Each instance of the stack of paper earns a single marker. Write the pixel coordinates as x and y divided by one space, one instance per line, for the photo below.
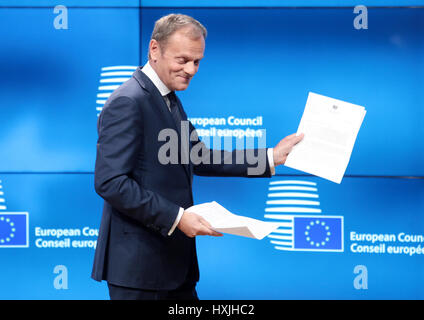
330 127
224 221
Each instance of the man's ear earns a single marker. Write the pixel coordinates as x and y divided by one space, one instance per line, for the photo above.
154 50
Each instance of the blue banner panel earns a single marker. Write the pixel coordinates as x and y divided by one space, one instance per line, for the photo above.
369 231
277 3
56 219
50 80
259 78
375 228
70 3
210 3
262 63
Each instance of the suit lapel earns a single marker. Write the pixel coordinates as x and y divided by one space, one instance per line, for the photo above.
162 109
159 104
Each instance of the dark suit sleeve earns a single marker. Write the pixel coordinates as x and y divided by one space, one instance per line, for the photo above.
237 163
120 128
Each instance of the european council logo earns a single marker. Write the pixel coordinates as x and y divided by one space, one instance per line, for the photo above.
288 202
14 229
110 79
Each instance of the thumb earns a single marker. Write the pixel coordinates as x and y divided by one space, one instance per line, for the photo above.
298 138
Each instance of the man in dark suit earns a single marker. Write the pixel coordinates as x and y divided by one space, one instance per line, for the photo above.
146 245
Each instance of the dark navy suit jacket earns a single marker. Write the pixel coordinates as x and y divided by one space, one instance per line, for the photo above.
142 196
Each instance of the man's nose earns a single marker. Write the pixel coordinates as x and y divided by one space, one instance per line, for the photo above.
190 69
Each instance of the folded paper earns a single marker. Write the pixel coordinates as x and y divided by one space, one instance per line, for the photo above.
224 221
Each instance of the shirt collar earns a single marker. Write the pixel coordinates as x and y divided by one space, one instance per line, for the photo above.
153 76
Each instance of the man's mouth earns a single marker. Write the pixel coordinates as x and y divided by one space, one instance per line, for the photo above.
185 78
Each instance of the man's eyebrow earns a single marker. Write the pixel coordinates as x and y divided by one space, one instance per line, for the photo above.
183 56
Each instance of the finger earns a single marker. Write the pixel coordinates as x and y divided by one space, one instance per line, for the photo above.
209 226
215 233
297 139
204 231
205 223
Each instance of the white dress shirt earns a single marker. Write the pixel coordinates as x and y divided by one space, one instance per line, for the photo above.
164 90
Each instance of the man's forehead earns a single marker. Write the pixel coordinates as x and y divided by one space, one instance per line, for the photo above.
183 44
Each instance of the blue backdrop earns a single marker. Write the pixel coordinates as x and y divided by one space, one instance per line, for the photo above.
259 62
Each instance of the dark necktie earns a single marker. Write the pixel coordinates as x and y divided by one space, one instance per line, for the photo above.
176 115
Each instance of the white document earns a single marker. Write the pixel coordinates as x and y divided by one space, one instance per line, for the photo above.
330 127
224 221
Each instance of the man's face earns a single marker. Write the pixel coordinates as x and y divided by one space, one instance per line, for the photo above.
178 60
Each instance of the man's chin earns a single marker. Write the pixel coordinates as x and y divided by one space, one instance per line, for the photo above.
181 87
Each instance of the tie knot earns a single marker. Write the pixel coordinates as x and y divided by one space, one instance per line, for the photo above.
172 98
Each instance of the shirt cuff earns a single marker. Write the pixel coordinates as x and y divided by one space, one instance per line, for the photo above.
177 220
270 152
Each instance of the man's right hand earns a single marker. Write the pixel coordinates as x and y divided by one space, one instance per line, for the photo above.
194 225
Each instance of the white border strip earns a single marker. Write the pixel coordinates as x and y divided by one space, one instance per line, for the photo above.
116 73
119 68
114 80
293 188
305 202
293 182
293 195
292 209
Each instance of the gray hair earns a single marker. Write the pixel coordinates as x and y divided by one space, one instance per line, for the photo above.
167 25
